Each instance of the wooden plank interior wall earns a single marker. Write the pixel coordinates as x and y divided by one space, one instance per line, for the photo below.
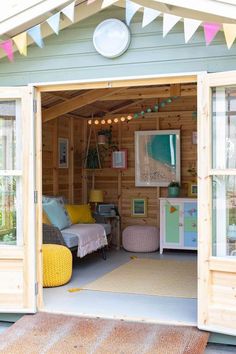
56 180
180 114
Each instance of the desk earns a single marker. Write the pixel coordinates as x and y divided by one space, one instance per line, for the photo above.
114 220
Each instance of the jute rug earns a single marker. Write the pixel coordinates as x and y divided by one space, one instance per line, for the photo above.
151 277
45 333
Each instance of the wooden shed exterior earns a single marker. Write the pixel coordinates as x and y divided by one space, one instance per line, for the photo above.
69 63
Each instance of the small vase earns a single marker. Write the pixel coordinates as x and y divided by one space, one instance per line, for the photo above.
173 192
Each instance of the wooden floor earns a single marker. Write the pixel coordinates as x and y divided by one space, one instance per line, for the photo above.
119 305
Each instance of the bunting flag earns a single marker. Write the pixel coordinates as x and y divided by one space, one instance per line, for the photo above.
69 11
190 27
210 31
106 3
7 46
169 21
54 22
131 9
172 209
230 33
21 42
35 34
149 15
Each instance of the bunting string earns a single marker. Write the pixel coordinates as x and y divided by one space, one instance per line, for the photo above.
131 8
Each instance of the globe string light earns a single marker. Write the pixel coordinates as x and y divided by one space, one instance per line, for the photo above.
135 115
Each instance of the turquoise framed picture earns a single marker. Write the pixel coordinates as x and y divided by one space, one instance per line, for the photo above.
157 157
139 207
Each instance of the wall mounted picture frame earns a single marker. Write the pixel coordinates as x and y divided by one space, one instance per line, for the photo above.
119 159
63 145
192 190
157 158
139 207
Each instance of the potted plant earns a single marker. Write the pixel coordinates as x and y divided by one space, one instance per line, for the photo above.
173 189
105 136
92 159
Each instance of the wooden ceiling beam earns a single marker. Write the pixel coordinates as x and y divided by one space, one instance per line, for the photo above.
76 103
151 92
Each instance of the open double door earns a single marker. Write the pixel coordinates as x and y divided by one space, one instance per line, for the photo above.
19 160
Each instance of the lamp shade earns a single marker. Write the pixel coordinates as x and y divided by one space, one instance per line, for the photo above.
96 196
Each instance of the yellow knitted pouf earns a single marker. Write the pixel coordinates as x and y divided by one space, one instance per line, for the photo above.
57 265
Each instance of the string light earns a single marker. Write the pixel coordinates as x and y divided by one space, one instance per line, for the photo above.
136 115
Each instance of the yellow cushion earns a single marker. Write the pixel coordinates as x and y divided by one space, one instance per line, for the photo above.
57 265
46 219
80 214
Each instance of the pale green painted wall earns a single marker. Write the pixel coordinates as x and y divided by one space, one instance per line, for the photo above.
71 55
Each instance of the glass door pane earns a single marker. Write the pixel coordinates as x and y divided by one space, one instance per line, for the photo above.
224 127
10 172
8 210
224 215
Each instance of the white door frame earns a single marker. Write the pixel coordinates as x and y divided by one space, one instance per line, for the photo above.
114 82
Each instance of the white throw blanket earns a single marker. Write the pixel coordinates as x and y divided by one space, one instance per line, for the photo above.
91 237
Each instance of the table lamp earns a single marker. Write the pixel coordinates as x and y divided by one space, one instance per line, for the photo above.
95 196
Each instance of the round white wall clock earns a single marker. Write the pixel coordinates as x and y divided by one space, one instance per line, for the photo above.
111 38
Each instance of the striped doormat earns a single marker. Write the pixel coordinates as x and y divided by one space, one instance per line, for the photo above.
60 334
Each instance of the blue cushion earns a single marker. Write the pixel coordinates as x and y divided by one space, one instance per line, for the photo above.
56 214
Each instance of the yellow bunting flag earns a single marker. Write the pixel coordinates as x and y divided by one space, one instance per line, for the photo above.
230 33
133 257
21 42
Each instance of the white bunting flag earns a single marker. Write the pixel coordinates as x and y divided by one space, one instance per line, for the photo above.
190 27
107 3
149 15
54 22
131 9
69 11
169 21
230 33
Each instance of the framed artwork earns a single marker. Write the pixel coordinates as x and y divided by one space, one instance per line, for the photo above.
63 152
157 157
192 190
119 159
139 207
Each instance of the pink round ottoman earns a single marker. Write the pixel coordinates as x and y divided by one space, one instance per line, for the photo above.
140 238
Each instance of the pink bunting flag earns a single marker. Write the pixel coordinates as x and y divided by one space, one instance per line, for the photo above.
210 31
7 46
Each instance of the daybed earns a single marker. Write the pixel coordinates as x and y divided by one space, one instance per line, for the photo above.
73 227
